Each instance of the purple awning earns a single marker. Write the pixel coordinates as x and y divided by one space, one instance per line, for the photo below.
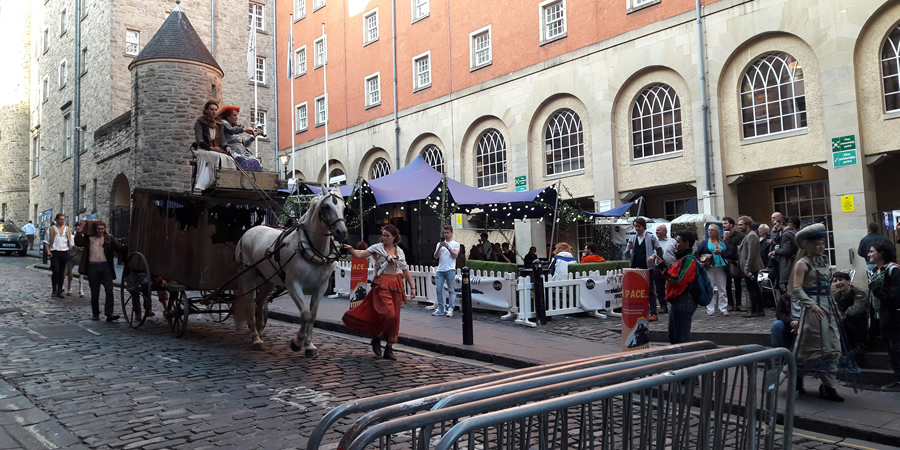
418 181
618 211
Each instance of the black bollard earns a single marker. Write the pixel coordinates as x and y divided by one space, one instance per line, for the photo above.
540 307
467 308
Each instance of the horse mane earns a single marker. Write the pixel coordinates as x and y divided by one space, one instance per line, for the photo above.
313 210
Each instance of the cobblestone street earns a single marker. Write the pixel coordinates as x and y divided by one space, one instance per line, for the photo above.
70 382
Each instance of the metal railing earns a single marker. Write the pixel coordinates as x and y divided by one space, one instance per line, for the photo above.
654 403
413 395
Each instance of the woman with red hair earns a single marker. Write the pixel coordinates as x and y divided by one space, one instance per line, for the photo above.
232 138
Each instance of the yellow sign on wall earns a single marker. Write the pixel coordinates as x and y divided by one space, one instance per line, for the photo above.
847 203
459 219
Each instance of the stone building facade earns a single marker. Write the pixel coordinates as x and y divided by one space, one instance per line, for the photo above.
14 100
113 33
495 82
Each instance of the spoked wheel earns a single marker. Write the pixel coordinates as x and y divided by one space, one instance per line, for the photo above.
220 312
177 311
134 290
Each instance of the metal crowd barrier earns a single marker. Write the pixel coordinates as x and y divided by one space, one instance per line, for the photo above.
356 407
653 403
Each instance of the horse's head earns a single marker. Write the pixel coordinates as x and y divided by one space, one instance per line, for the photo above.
330 210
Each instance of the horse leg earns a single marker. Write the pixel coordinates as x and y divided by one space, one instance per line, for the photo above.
68 275
262 297
300 340
243 307
310 321
80 286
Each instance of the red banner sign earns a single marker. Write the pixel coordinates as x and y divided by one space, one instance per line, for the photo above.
635 309
359 275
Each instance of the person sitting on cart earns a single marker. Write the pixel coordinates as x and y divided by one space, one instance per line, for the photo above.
228 115
97 262
208 130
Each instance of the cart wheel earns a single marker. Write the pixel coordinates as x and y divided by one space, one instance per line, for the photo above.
177 313
220 312
135 288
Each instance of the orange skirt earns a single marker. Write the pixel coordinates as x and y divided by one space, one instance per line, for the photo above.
378 315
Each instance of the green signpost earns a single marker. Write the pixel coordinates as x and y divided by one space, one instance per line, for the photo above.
843 151
522 183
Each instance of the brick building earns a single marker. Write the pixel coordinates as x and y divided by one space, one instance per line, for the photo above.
113 33
728 110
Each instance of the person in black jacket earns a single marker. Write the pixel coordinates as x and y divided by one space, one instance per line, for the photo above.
97 262
733 239
785 251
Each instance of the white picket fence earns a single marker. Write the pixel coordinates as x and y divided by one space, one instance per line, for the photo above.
598 295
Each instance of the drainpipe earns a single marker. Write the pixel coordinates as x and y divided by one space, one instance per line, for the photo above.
394 48
707 155
76 198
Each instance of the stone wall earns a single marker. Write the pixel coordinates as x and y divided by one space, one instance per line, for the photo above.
166 95
14 144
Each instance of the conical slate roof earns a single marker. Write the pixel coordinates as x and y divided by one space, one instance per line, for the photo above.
176 39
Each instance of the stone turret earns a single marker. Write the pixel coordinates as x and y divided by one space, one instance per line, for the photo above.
171 79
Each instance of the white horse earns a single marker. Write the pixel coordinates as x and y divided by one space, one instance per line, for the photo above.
300 257
73 261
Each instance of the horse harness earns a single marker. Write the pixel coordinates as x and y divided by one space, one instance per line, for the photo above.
304 247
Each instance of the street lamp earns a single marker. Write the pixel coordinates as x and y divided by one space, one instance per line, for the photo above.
284 162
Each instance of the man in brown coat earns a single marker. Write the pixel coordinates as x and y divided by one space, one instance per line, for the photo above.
751 263
97 262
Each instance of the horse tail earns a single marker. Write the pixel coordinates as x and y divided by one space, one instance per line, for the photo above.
244 300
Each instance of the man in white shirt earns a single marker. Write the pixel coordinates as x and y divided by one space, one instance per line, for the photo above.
446 252
57 242
29 231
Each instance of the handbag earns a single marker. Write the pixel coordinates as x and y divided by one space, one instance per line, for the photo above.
706 259
734 269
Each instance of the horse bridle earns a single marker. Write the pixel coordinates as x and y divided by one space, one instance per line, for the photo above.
310 252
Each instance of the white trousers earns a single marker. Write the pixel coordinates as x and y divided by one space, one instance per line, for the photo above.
718 276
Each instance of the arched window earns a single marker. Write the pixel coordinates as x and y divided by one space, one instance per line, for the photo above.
890 70
337 177
379 169
434 157
563 143
656 122
773 97
490 159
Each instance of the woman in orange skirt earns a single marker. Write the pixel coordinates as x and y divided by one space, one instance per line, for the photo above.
379 314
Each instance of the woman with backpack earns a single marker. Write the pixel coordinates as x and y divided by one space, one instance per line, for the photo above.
679 277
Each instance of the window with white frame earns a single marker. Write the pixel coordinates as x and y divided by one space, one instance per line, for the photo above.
370 26
300 61
94 197
45 39
634 5
420 9
299 9
62 22
132 42
490 159
321 110
260 77
67 135
656 122
553 20
301 119
318 4
259 120
320 55
380 168
773 96
258 16
84 60
45 89
563 143
63 73
890 70
677 207
434 157
373 90
422 71
480 48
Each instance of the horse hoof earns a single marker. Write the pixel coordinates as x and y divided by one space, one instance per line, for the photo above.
294 346
311 353
257 346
